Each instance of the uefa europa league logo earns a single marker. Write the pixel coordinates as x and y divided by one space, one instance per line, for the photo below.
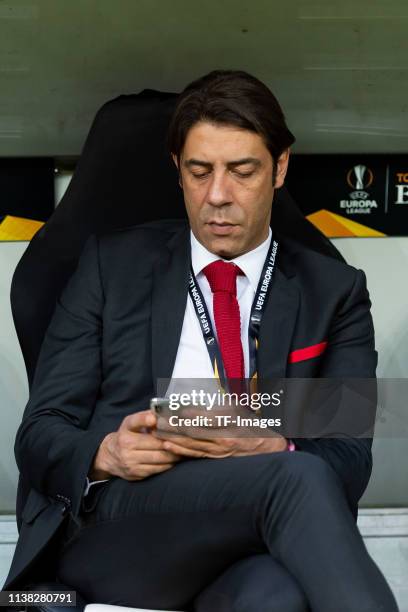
359 178
359 172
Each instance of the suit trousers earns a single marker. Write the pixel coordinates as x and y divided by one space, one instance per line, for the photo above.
270 532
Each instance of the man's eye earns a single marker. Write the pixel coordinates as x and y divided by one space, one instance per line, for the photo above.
200 175
243 174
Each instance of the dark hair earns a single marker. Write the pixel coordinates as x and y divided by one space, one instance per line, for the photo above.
230 97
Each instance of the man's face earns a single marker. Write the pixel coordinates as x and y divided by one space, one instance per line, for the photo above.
226 176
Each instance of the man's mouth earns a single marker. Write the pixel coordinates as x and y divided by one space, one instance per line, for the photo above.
221 228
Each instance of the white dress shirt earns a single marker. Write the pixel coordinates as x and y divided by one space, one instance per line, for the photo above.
192 359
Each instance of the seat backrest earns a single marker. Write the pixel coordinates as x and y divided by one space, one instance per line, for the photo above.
124 176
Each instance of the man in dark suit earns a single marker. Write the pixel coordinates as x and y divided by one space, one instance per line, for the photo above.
230 523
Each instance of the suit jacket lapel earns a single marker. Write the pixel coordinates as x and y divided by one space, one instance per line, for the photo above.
278 321
170 292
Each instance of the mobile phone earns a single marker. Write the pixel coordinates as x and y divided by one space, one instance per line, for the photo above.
159 405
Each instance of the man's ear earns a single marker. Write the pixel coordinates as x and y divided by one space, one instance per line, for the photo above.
281 168
178 169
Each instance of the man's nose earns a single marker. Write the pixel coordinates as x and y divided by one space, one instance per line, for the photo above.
218 190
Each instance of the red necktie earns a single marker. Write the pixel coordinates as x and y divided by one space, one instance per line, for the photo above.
222 277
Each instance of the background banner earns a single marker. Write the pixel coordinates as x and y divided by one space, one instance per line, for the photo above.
27 196
352 195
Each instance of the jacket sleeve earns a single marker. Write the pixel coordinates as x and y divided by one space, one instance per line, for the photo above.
53 447
350 355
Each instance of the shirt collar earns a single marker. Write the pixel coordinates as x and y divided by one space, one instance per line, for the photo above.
251 263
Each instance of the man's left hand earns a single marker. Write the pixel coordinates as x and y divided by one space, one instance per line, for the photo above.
223 447
195 441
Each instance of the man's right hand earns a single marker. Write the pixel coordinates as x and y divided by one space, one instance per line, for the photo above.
130 452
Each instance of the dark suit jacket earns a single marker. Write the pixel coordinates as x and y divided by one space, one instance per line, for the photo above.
116 329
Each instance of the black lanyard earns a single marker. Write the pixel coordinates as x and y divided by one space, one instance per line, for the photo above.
257 310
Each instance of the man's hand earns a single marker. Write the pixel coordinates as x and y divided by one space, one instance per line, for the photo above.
188 441
218 448
132 452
